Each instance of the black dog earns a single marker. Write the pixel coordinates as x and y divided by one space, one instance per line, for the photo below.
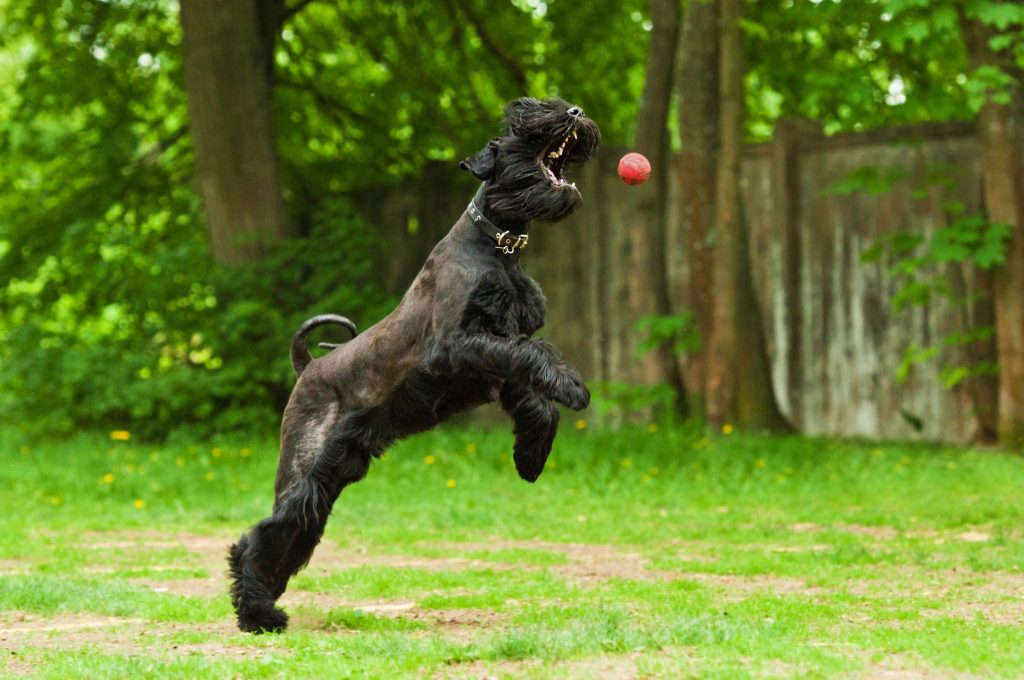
459 338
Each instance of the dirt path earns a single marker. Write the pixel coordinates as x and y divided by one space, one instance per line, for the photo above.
586 566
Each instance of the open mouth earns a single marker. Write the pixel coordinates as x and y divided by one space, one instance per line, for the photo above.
555 157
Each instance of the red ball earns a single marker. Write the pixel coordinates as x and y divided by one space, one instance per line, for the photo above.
634 168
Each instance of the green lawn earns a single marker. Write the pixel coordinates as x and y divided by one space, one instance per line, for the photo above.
637 554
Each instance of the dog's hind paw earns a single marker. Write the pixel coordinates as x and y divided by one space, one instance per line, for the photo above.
260 619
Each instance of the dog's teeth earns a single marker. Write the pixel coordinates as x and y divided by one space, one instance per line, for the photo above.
554 154
574 137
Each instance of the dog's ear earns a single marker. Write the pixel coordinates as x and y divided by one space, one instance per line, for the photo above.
481 164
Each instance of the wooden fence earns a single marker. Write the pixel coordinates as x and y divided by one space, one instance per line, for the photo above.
834 340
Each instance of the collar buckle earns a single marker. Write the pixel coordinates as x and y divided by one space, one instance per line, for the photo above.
509 244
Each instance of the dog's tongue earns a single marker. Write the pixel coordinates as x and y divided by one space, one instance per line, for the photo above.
551 176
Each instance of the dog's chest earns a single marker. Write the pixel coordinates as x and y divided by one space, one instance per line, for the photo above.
504 304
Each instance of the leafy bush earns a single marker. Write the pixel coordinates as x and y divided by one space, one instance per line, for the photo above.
197 347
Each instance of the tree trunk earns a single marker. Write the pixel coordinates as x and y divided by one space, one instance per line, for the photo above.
1001 138
698 127
646 231
228 49
739 389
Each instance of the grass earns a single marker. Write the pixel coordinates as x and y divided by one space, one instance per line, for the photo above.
644 552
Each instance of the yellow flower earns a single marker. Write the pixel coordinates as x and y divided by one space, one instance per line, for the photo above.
216 452
107 478
179 461
429 459
470 448
139 504
24 450
652 427
155 456
760 462
121 435
209 476
55 500
727 429
581 424
245 453
627 462
788 471
654 472
450 483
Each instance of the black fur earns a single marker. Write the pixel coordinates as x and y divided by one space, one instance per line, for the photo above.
459 338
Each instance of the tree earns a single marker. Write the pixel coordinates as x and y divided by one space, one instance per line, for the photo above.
646 233
1001 139
699 132
739 387
228 50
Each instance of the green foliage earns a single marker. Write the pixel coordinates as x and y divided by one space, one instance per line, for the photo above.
866 65
871 179
921 265
112 314
392 86
632 401
676 330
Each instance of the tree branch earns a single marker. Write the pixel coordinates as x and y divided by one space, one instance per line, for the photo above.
325 100
291 11
509 60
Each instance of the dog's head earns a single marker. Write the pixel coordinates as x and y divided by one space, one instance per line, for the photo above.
524 169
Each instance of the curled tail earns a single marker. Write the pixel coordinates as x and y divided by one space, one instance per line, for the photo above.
300 352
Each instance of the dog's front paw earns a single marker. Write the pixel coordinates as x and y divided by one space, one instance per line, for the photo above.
572 392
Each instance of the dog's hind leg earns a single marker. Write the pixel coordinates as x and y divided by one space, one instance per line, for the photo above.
536 422
274 550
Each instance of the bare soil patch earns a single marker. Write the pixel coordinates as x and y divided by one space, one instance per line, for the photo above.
995 597
595 668
22 633
586 563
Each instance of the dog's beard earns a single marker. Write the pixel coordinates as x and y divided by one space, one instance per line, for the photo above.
529 182
523 191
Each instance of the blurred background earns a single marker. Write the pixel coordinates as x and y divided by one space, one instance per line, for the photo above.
830 241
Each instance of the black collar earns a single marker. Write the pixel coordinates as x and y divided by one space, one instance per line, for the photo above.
507 242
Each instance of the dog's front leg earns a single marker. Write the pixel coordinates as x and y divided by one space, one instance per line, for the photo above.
522 360
535 421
